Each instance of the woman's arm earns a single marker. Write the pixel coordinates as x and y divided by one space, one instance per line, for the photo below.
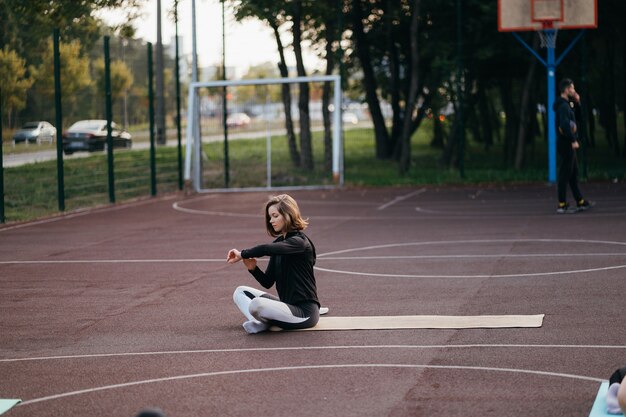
291 245
266 279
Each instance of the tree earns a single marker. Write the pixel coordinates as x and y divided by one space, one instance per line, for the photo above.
74 73
26 25
13 82
121 78
260 93
273 14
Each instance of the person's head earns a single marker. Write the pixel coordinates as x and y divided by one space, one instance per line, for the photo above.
566 87
282 215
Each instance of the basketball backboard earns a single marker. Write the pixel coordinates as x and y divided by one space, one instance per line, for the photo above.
527 15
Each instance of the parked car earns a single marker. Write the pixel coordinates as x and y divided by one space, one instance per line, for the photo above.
237 120
91 135
349 117
35 132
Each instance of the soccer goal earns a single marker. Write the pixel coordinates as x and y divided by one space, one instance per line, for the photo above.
249 135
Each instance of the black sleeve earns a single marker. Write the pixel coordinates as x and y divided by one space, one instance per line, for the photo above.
564 121
266 279
293 244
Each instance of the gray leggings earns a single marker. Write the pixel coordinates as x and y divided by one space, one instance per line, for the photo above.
266 308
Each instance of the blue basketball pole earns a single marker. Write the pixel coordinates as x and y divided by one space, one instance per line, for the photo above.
551 63
551 71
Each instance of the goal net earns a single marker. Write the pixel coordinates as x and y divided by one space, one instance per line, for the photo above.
261 134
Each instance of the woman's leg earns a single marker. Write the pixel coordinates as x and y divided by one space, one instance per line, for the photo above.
276 313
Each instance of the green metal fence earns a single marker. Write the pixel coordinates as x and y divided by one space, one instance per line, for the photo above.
112 82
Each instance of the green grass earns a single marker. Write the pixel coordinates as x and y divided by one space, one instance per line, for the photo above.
31 190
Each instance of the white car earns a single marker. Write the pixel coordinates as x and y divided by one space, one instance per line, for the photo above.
238 120
35 132
349 117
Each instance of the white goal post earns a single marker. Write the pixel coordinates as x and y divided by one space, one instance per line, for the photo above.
193 154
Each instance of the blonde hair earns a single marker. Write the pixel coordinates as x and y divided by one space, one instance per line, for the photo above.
289 209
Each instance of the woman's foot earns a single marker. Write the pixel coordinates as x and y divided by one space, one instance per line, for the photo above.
254 326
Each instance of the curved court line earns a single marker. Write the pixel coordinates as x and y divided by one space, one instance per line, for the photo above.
177 207
340 347
84 212
309 367
533 274
471 241
448 242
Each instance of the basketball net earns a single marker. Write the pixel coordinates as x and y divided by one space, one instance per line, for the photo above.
548 35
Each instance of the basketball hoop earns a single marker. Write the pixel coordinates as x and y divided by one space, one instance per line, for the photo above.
548 37
547 13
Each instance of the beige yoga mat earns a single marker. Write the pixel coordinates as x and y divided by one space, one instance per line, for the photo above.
426 322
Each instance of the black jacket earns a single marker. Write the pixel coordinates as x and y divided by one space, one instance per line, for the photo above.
291 267
565 120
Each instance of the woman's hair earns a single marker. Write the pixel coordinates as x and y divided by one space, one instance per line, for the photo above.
289 209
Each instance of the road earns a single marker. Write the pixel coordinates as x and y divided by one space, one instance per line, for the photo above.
18 159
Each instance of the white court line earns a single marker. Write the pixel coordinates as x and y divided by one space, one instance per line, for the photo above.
473 241
452 242
110 261
401 198
310 367
329 256
298 348
333 258
532 274
85 211
504 255
176 206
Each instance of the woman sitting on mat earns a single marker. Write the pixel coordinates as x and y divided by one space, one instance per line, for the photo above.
292 256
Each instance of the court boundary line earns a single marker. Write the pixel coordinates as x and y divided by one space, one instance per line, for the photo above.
401 198
446 242
88 210
292 348
338 258
533 274
310 367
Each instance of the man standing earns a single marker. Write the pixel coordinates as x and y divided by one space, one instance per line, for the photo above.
567 143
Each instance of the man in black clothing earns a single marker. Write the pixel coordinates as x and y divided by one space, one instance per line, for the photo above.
567 143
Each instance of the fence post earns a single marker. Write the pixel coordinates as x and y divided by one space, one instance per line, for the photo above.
108 111
1 166
178 127
58 120
153 190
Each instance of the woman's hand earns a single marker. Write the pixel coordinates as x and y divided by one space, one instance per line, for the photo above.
250 263
233 256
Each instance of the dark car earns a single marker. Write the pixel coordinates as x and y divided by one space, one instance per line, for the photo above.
91 135
35 132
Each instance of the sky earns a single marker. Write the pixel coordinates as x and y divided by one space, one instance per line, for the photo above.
247 44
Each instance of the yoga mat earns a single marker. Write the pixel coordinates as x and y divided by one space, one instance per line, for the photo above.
599 406
6 405
426 322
